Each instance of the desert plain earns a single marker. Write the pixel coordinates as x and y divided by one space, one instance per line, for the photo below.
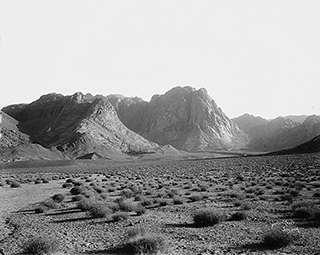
231 205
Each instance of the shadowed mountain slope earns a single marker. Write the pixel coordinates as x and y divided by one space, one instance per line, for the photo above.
76 126
16 145
311 146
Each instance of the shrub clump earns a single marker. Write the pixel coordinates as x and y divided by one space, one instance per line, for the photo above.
178 200
305 210
208 217
58 198
120 216
95 209
139 242
139 210
237 216
126 206
40 246
196 197
49 203
41 209
76 190
15 184
279 235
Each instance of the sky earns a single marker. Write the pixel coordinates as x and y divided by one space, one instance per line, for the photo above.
258 57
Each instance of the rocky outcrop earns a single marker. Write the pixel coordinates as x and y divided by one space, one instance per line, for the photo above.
184 117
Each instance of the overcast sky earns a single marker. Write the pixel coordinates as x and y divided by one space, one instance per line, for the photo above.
257 57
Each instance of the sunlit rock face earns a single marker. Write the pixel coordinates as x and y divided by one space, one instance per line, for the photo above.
184 117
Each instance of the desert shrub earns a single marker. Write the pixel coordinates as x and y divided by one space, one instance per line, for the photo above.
126 206
316 194
235 195
195 197
237 203
45 181
178 200
127 193
139 242
286 197
146 201
316 215
294 192
279 235
208 217
69 180
138 197
237 216
114 207
139 210
120 216
78 183
84 204
58 198
303 213
162 202
134 232
245 206
49 203
40 246
67 185
306 210
316 184
301 204
88 193
76 190
203 187
77 198
41 209
98 210
15 184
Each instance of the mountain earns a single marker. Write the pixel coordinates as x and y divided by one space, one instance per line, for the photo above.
311 146
16 145
78 125
297 118
277 134
184 117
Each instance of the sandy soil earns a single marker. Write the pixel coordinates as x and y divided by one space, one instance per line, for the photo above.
15 199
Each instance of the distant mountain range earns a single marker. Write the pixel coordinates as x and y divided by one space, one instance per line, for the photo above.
114 126
277 134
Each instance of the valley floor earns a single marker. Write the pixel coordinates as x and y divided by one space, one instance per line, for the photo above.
266 190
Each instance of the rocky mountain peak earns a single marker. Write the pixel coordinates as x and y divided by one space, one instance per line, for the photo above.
183 117
312 119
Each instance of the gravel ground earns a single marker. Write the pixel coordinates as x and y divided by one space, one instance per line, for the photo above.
78 233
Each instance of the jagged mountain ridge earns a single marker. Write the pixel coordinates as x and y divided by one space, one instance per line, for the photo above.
73 126
277 134
184 117
76 125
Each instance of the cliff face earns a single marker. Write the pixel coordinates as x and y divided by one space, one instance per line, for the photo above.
185 118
